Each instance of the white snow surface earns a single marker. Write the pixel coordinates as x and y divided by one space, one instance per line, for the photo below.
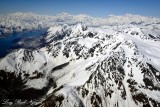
79 55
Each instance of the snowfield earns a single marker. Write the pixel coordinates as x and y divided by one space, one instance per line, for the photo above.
99 62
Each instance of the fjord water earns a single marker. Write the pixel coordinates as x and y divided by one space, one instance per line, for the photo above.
8 43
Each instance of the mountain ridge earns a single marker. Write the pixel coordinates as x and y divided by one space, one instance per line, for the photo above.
92 66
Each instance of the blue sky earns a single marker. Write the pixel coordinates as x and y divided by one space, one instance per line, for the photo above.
100 8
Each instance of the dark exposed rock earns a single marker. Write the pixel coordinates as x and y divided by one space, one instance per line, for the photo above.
60 67
52 100
96 100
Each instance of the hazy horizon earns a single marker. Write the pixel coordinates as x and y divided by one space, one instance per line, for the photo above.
94 8
76 14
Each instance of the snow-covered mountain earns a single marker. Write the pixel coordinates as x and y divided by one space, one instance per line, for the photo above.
110 62
18 22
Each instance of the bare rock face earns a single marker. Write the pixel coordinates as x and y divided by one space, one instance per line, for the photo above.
81 66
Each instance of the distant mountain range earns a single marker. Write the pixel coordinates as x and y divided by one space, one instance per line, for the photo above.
18 22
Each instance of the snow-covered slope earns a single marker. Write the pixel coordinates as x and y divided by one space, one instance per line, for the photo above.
81 66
